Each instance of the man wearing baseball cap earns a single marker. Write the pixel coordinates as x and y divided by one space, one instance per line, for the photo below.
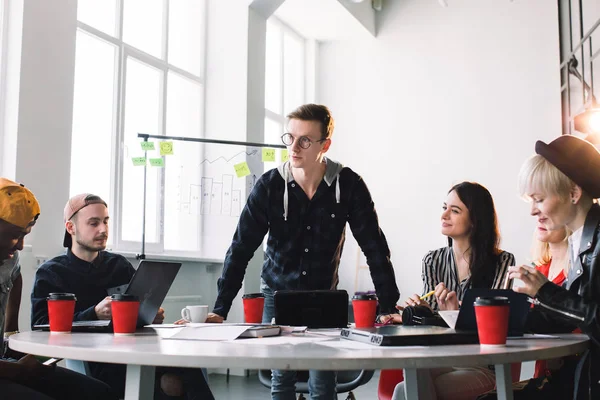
90 272
27 378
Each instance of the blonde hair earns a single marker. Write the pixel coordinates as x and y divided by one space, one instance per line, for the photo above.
538 175
540 251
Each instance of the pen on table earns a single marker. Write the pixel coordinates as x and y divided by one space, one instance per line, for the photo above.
426 295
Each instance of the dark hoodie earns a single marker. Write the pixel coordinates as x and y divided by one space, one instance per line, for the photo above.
306 237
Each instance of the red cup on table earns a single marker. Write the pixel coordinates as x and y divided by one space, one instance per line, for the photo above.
124 309
254 304
61 307
492 315
364 307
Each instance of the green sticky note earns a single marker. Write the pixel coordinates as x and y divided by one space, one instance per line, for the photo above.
157 162
242 169
284 155
268 155
147 146
138 161
166 148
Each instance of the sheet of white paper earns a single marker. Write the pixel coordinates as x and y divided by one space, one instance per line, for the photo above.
214 332
163 326
449 317
325 332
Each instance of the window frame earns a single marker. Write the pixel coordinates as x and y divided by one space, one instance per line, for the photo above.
4 11
280 118
123 52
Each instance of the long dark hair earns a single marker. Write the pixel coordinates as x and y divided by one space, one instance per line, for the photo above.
484 239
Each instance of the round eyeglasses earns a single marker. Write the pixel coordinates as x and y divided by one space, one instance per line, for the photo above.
303 141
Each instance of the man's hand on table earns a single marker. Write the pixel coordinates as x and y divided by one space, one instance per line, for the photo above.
211 318
103 309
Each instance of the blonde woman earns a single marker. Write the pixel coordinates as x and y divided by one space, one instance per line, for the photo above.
561 182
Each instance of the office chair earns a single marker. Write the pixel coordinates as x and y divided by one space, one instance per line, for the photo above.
389 378
346 381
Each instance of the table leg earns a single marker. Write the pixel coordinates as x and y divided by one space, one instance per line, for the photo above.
504 382
139 384
416 384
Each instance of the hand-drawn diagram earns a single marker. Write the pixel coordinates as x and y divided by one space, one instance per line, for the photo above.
217 194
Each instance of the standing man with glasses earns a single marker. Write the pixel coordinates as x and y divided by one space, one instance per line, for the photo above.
304 205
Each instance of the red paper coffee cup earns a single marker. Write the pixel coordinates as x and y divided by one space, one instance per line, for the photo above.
364 307
61 307
492 314
124 309
253 307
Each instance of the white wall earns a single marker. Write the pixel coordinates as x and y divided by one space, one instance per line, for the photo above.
443 95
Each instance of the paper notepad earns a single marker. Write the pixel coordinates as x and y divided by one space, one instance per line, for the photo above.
449 317
224 332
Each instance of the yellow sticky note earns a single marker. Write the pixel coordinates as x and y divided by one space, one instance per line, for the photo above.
157 162
166 148
242 169
147 146
268 155
138 161
284 155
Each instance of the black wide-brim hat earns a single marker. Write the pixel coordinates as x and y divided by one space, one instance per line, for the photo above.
576 158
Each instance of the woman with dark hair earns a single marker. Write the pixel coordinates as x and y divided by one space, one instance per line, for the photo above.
472 259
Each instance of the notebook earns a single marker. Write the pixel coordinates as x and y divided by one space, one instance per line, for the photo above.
409 335
311 308
151 282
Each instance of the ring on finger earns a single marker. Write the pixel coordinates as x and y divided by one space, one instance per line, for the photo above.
526 273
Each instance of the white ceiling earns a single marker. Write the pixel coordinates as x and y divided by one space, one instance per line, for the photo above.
323 20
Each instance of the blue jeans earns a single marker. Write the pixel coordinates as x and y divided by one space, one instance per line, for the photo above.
321 384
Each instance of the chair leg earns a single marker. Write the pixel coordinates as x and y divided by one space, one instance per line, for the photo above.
350 396
301 397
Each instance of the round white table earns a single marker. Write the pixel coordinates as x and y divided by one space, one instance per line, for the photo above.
143 352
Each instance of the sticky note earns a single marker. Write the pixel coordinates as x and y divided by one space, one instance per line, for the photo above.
284 155
147 146
268 155
242 169
138 161
157 162
166 148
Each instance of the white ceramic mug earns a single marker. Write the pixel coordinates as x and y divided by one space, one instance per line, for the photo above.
195 313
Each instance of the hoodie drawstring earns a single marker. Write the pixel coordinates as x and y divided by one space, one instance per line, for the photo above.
285 193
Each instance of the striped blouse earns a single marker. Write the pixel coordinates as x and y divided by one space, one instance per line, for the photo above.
440 266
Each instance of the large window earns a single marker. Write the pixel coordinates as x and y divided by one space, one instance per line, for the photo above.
285 78
139 68
3 49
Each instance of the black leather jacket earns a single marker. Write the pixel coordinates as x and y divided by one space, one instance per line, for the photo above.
577 305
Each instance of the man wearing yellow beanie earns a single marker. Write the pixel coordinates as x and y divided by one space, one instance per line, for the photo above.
27 378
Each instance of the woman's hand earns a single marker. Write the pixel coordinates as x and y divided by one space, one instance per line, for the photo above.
391 318
415 300
446 298
532 279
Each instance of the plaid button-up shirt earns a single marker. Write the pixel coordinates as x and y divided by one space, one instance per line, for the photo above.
303 252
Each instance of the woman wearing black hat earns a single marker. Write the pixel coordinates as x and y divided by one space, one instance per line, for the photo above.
562 181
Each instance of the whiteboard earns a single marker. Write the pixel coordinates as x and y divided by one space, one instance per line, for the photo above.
204 196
